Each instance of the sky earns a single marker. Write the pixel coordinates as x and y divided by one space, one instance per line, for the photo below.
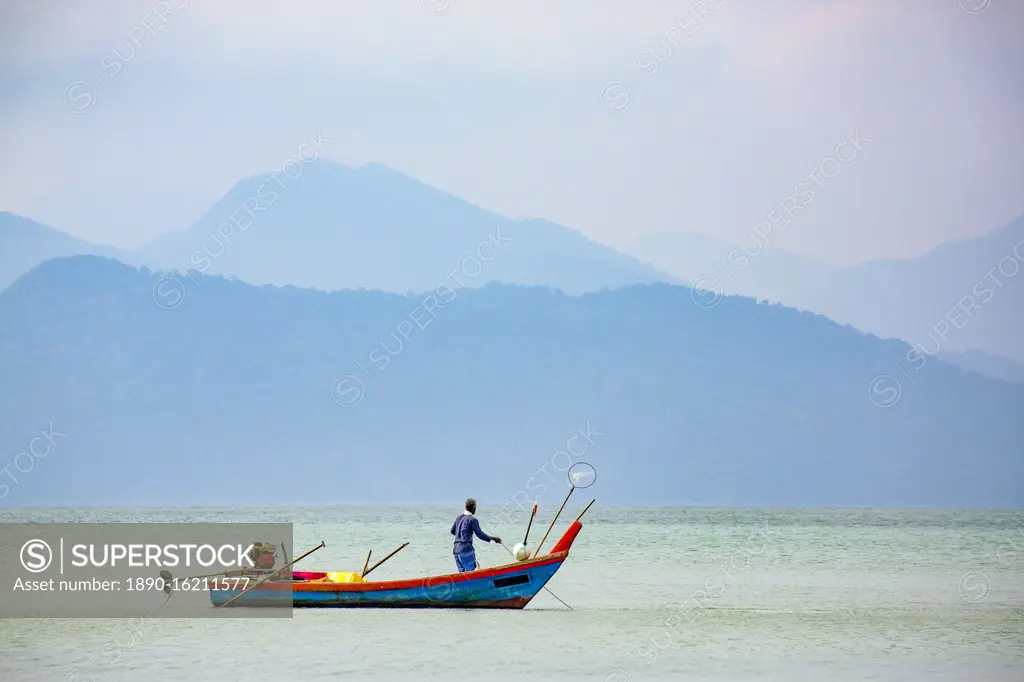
616 119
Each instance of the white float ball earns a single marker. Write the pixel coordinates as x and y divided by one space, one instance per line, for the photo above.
521 551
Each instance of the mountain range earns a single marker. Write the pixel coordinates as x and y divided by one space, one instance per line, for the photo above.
334 227
25 244
960 296
985 363
771 273
240 393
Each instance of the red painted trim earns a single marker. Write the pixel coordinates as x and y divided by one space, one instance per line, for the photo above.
433 581
516 603
565 542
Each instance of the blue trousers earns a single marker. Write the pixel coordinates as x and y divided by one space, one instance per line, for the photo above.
466 561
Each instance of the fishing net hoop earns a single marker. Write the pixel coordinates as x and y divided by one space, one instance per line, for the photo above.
581 475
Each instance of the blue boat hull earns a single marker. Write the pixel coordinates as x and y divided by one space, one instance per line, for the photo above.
502 590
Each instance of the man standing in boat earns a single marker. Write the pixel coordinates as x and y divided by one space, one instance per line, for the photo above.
463 529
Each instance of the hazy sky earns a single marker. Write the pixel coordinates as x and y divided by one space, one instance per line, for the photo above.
505 105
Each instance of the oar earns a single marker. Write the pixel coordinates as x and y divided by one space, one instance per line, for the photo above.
169 579
367 571
366 563
537 553
545 587
277 572
237 571
166 575
529 523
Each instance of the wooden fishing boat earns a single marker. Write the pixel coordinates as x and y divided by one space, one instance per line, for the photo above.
509 586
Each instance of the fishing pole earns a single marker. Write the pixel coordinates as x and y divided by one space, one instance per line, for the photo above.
530 524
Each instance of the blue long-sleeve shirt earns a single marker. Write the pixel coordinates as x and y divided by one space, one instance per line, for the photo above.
463 529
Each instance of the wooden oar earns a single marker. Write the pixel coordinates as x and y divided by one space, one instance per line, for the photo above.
367 571
166 575
169 579
366 563
277 572
537 553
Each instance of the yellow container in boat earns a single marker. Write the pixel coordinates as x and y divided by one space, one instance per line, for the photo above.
345 577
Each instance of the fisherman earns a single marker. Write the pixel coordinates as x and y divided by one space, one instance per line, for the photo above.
463 529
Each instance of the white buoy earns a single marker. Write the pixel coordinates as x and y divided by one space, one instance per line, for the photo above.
521 551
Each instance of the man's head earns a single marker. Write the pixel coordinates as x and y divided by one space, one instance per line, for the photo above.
471 506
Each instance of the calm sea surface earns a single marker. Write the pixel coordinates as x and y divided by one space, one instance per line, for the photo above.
659 594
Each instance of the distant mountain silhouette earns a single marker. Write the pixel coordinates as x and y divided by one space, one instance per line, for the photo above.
25 244
960 296
752 269
242 394
985 363
335 227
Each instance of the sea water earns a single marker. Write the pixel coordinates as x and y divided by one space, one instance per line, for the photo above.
658 594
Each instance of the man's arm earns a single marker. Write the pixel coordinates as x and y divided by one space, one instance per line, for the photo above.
453 527
475 525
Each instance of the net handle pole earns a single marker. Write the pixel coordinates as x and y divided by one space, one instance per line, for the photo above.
537 553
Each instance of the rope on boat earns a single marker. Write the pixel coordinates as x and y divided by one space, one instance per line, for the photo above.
545 587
